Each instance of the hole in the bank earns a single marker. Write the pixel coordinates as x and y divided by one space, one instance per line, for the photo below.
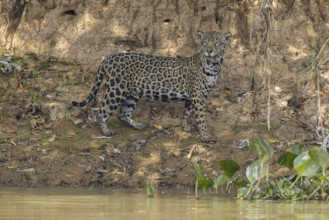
167 20
18 117
70 12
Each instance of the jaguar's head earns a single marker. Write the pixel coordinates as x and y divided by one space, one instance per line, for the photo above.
213 44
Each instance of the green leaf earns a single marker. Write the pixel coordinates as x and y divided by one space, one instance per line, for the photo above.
265 164
262 147
203 181
198 171
149 188
206 183
240 183
298 149
287 159
230 167
305 165
324 179
220 180
257 169
320 155
242 192
253 171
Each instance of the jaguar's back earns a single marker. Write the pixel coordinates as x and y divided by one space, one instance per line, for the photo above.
150 75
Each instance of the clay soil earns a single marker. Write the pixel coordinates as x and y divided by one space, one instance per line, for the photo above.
46 143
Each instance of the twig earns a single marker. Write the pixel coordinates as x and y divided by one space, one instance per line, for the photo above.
255 188
309 80
312 194
322 48
292 185
189 156
318 88
268 70
269 96
103 137
323 62
315 64
319 101
50 97
196 189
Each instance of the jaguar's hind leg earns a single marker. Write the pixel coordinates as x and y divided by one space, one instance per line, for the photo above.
127 109
93 115
101 119
109 105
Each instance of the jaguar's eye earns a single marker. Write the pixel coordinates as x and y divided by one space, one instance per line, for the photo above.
204 43
217 44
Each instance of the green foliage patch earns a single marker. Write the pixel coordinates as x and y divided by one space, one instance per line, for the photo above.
308 177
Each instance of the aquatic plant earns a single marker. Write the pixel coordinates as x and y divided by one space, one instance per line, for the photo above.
307 177
149 188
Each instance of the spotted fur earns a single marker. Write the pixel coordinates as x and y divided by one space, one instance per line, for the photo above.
129 76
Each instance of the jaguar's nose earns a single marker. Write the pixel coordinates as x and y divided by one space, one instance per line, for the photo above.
209 51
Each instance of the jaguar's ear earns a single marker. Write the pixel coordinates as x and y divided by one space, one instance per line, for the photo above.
228 36
199 36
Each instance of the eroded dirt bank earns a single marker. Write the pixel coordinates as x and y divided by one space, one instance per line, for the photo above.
59 45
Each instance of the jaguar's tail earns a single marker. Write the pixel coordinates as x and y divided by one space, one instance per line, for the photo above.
94 90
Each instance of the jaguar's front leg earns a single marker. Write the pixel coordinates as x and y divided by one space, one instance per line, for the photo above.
200 115
186 126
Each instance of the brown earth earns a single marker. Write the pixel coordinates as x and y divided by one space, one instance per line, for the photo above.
269 63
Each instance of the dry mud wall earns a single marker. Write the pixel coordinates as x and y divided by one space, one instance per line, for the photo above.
271 62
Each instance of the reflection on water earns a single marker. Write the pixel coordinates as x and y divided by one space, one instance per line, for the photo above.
83 204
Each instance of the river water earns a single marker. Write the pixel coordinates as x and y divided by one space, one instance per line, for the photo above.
108 204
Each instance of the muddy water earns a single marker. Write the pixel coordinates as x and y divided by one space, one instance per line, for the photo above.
72 204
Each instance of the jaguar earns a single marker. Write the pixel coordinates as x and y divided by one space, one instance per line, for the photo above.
129 76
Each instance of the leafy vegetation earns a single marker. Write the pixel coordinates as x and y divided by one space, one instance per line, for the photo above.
307 177
149 188
66 80
44 65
